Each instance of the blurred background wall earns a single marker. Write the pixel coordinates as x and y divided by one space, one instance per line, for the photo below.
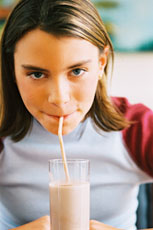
130 26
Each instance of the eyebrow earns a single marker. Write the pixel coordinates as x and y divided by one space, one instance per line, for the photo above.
79 64
35 68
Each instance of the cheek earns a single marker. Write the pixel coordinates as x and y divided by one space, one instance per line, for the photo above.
24 91
29 95
86 92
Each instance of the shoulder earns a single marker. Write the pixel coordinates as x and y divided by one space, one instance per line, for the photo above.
139 136
130 110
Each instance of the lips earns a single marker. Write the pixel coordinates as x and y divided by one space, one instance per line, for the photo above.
61 115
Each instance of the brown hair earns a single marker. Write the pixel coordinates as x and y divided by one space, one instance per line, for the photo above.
75 18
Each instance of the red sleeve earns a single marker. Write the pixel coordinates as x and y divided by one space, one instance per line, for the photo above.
139 136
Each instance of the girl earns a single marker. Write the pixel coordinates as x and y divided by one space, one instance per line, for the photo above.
54 62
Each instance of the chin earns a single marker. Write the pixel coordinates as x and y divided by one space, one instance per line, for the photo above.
66 130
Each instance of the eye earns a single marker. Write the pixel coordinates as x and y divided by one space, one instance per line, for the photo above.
36 75
78 72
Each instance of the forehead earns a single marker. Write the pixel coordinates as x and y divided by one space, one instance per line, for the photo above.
36 38
42 46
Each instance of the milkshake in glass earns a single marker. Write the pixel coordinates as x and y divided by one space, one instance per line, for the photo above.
69 199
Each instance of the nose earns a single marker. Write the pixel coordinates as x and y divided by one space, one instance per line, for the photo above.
59 93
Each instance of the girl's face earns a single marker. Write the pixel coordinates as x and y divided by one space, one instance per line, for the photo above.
57 77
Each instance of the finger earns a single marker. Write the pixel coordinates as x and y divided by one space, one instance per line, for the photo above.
96 225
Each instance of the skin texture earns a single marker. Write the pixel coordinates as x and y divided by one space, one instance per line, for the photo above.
43 223
66 81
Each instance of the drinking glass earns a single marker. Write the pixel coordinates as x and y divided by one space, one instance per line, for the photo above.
69 198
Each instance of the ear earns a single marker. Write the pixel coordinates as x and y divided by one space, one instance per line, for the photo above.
103 60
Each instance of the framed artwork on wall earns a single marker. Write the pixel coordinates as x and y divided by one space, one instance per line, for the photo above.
129 23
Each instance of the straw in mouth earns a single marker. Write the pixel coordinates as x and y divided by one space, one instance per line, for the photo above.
62 149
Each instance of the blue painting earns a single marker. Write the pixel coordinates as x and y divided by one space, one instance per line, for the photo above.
129 23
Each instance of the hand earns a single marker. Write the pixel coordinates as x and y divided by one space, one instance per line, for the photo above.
42 223
95 225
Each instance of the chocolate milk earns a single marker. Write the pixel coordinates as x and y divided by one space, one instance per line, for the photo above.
69 206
